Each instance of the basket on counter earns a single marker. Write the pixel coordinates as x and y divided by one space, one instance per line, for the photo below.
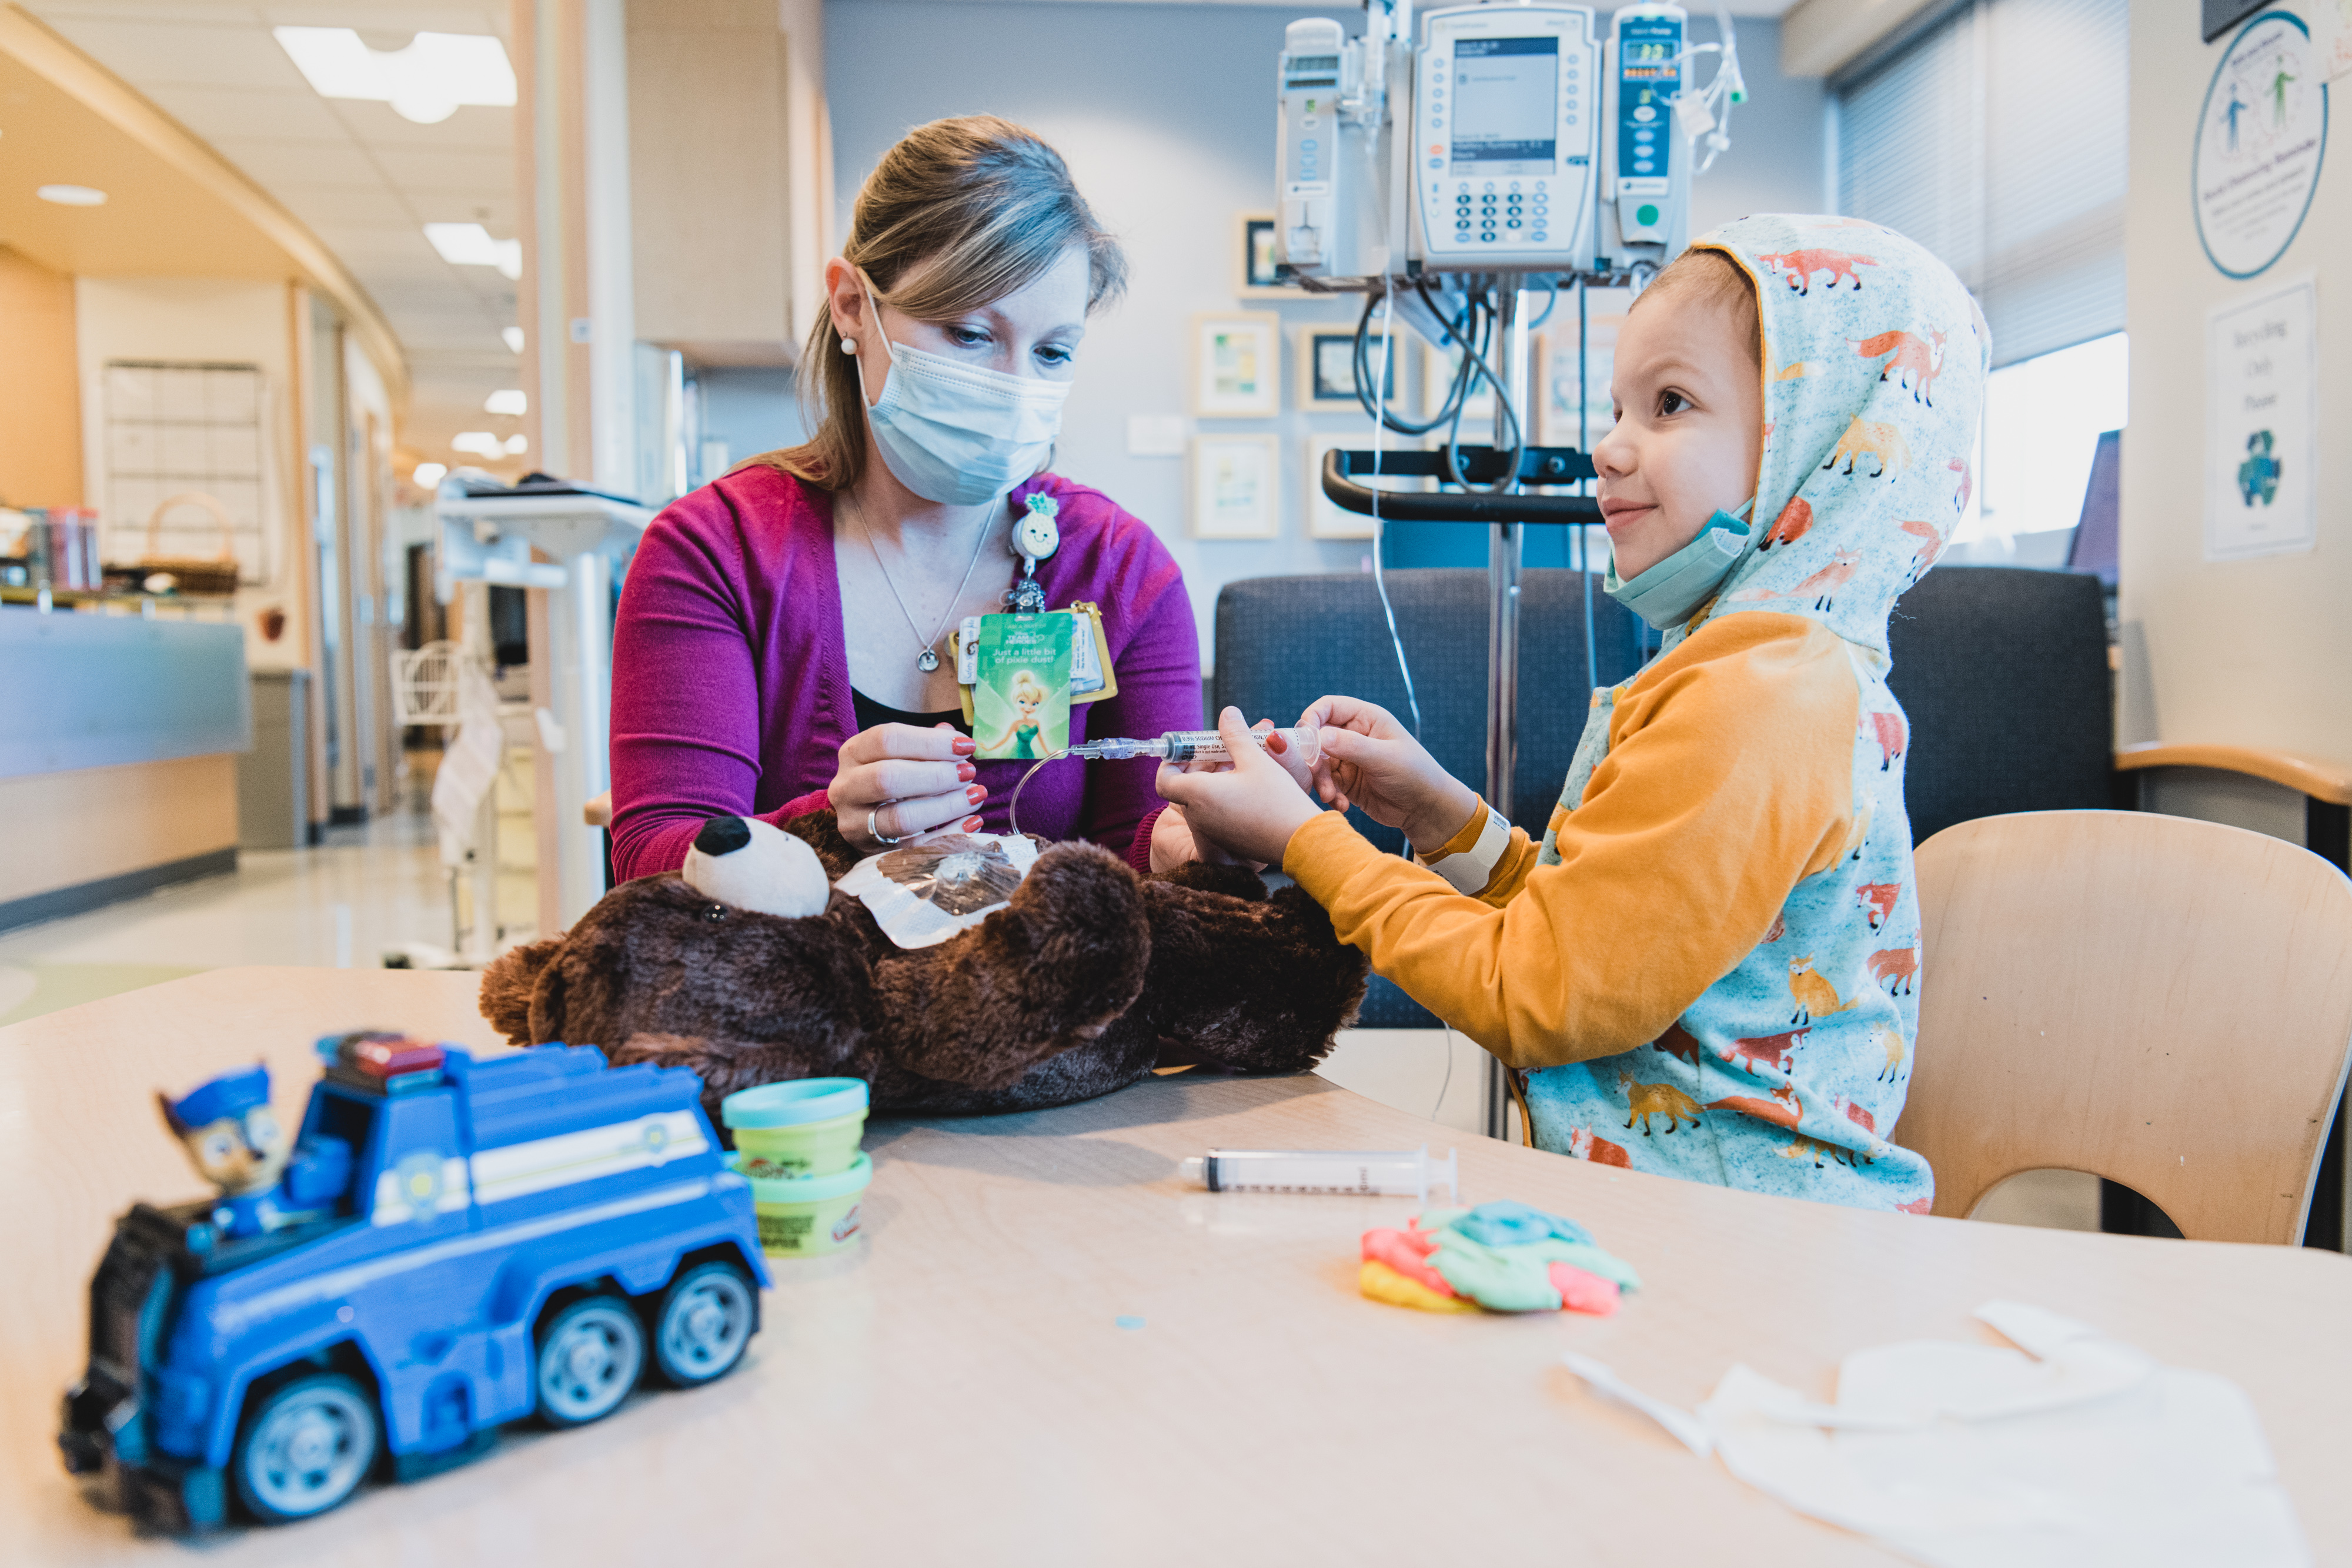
196 574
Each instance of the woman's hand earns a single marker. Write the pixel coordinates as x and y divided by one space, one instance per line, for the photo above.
1371 761
1174 844
1249 809
897 781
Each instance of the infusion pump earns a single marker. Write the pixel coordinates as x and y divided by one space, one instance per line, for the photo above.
1499 137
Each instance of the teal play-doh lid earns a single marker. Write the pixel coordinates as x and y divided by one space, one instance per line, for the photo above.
790 1104
813 1189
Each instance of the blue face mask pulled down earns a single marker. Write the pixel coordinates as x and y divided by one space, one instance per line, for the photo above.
957 433
1667 593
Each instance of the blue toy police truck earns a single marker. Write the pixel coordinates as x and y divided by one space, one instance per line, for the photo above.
518 1235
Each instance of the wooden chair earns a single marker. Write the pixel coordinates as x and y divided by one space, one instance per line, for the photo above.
2158 1001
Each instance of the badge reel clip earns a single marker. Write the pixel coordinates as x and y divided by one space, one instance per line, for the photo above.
1036 537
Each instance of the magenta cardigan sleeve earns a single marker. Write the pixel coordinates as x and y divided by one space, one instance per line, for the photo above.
685 698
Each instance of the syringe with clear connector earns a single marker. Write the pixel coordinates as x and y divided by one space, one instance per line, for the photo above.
1195 746
1386 1173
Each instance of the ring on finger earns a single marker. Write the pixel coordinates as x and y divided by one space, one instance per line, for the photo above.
878 835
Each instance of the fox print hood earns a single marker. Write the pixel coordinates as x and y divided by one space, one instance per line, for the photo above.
1874 360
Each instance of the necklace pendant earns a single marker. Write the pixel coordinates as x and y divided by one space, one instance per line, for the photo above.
928 662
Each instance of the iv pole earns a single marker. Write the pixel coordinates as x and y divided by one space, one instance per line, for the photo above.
1508 511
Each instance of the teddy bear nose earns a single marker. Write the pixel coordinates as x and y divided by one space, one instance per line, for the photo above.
723 835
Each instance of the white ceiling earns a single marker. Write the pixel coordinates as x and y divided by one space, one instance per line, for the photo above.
364 179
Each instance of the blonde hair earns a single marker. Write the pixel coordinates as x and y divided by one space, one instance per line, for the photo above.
959 214
1714 279
1027 681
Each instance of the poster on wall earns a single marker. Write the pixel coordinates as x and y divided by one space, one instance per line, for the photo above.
2261 419
2261 138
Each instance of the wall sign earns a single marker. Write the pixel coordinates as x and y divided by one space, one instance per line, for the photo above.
2261 379
2261 138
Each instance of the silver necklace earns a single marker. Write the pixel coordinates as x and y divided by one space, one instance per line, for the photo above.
929 659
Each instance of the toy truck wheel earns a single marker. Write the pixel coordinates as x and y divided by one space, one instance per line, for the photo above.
589 1357
703 1325
307 1447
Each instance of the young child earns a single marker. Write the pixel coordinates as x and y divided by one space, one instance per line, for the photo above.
1708 968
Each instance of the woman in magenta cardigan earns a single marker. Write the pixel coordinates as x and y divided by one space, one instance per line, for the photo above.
783 637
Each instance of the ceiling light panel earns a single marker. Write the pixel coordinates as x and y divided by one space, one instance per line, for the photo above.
426 82
72 195
506 400
470 244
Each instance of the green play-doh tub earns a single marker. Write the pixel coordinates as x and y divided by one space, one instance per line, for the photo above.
806 1217
807 1127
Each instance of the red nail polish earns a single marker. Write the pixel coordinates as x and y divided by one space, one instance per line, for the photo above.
966 772
972 824
963 745
976 793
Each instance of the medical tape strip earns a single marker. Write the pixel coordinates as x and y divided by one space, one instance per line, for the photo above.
1474 868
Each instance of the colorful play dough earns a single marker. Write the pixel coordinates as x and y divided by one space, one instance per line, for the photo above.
1504 1257
1382 1284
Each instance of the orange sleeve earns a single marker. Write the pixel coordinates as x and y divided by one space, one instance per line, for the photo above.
1729 780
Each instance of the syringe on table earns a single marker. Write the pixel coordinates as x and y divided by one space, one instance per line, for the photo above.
1177 746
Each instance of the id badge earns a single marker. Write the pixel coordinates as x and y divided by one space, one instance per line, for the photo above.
1092 677
1021 687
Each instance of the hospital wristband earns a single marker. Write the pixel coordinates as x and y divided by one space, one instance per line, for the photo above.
1468 869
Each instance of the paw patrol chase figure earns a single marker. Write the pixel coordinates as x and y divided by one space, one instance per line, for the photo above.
236 1143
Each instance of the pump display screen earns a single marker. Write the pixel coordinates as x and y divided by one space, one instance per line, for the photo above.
1505 106
1312 70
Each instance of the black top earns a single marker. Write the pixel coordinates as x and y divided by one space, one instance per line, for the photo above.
871 713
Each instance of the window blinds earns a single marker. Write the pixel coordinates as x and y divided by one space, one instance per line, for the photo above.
1998 139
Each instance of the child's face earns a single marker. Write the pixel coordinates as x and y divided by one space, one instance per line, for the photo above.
1689 431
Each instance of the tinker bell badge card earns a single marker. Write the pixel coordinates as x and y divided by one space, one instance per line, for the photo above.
1021 697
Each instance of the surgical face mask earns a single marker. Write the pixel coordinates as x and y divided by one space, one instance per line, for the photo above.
957 433
1665 595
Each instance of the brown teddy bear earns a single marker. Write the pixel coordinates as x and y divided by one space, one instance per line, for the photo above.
750 968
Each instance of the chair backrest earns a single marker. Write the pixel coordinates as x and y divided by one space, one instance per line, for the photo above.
2002 671
2160 1001
1281 641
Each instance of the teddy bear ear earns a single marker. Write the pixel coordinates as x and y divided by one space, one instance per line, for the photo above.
750 864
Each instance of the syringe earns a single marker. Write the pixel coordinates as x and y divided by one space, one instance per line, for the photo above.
1178 746
1181 745
1391 1172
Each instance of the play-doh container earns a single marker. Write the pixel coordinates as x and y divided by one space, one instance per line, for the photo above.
807 1127
805 1217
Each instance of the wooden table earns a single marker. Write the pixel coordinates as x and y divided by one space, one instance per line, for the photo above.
958 1389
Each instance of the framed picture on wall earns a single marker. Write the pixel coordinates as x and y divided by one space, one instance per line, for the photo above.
1237 365
1235 493
1327 365
1253 257
1325 519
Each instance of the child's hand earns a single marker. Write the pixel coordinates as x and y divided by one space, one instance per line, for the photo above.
1371 761
1250 809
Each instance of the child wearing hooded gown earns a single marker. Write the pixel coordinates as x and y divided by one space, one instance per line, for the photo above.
1708 966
